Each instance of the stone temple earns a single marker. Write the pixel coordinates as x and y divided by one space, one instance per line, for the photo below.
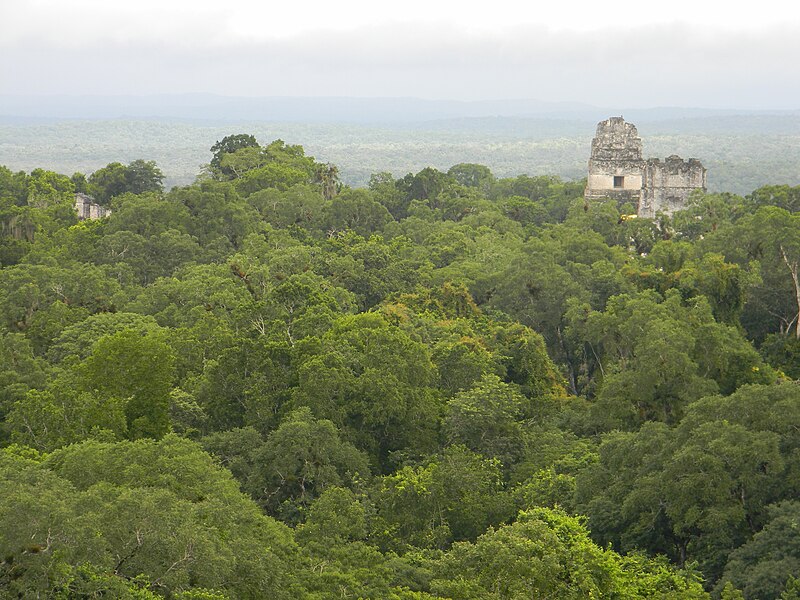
618 171
87 208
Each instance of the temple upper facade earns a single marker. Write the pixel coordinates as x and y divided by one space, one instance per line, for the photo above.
618 171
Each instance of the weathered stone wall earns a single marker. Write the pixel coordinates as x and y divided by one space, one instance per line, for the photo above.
617 171
87 208
615 167
666 186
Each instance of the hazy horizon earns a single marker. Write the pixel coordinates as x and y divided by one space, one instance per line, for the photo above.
218 108
518 87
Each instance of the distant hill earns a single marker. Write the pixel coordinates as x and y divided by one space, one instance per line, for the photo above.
211 107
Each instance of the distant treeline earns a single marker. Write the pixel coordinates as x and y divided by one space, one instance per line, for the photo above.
741 152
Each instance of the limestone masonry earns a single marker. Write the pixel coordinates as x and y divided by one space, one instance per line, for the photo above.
87 208
618 171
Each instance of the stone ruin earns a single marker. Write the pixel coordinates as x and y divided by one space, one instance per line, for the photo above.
618 171
87 208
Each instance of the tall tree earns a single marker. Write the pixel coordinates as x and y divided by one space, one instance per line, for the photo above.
144 176
228 145
137 369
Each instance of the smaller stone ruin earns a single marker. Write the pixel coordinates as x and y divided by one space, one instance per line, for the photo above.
87 208
618 171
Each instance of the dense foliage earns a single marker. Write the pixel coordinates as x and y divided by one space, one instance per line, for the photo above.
268 384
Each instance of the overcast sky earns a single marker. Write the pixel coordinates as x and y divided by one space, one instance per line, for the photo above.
614 53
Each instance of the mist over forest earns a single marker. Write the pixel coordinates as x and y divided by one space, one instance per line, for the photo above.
742 149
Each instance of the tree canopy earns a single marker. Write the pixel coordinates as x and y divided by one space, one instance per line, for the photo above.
269 384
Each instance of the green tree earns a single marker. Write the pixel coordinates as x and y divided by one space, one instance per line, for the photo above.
663 355
547 554
706 213
336 516
109 181
20 373
302 458
46 188
147 214
271 175
138 177
340 562
13 186
765 566
455 495
355 210
425 185
327 176
137 369
782 196
47 420
769 236
160 517
144 176
248 383
486 419
782 352
386 191
700 490
374 382
228 145
220 220
471 175
299 205
28 289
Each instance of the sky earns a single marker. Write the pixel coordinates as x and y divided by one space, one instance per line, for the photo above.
703 53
